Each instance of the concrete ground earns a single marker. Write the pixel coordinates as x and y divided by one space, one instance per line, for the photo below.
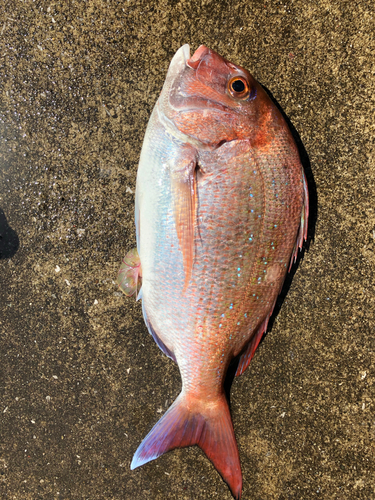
81 380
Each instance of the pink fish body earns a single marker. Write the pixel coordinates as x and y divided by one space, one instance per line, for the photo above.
221 211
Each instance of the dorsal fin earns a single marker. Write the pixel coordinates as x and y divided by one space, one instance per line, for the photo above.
302 233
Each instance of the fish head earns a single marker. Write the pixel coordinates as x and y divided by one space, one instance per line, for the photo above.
212 101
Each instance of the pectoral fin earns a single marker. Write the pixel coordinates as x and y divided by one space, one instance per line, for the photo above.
130 273
184 193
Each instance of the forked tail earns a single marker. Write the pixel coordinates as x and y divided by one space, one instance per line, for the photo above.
208 425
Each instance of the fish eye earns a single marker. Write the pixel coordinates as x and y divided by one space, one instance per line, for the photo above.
239 87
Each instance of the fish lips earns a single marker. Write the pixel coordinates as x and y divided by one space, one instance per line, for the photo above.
179 60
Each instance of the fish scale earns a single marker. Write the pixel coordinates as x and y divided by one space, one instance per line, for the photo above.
221 211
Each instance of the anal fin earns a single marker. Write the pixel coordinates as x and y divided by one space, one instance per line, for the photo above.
158 341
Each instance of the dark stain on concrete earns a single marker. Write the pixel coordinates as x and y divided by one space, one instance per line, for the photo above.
81 380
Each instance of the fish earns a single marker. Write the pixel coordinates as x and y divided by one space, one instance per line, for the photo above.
221 211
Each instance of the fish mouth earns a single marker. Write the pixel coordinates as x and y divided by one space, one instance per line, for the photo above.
194 60
185 49
183 55
179 60
183 58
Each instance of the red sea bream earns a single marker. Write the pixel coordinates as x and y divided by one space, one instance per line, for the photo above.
221 211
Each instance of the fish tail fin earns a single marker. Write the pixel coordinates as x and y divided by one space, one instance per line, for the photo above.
207 425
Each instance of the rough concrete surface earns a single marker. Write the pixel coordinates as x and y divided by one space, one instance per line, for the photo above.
81 380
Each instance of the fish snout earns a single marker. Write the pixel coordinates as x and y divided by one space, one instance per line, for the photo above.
198 55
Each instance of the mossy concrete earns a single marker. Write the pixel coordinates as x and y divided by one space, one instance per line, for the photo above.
81 380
